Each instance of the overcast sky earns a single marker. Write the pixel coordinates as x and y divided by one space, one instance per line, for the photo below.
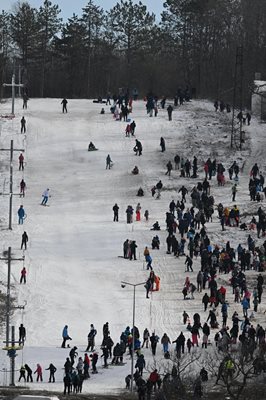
68 7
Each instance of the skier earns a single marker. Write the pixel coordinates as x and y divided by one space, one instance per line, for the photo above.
162 144
23 275
108 162
24 240
39 373
170 110
52 370
64 102
23 125
115 210
21 162
22 188
183 191
21 215
65 336
45 196
91 338
146 336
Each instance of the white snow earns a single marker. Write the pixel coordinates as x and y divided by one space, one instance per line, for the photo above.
73 268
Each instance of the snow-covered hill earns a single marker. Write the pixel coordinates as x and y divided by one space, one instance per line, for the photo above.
72 260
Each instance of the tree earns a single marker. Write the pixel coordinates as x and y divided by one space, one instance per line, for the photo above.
24 31
4 47
132 25
92 18
49 25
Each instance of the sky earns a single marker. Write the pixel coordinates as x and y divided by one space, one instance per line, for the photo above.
68 7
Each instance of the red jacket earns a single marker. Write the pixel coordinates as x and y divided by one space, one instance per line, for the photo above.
154 377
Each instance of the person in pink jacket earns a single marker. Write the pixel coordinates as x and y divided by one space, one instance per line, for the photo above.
38 372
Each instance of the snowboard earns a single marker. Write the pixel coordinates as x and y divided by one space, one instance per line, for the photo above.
92 149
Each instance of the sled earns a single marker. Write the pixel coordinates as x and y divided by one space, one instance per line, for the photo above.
92 149
45 205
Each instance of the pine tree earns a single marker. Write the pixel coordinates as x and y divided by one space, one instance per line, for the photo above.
49 24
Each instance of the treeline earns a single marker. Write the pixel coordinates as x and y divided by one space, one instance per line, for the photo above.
194 44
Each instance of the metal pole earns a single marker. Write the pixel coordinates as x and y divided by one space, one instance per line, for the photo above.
133 339
8 295
13 93
19 80
12 359
11 186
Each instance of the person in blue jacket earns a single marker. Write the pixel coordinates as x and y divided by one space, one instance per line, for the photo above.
65 336
21 214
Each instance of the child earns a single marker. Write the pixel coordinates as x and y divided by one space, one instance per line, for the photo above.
146 215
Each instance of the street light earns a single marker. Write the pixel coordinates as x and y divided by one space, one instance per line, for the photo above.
123 284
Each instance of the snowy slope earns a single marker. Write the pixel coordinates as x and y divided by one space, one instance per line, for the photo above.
74 271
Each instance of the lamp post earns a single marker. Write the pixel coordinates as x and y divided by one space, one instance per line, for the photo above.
133 333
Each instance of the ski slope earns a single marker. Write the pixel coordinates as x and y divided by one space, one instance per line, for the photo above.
73 265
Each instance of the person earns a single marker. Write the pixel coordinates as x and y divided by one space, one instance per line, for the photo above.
105 355
102 111
21 162
22 373
25 101
146 337
65 336
138 148
91 338
23 125
170 110
132 128
24 240
140 192
146 215
169 168
234 190
67 384
64 102
72 355
135 170
94 359
38 371
22 186
91 147
23 275
189 263
140 364
22 334
165 341
29 373
177 161
108 162
204 375
45 196
154 339
162 144
115 210
52 370
21 215
86 363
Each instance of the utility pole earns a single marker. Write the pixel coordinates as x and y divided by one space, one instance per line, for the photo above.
13 85
10 194
237 124
8 306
